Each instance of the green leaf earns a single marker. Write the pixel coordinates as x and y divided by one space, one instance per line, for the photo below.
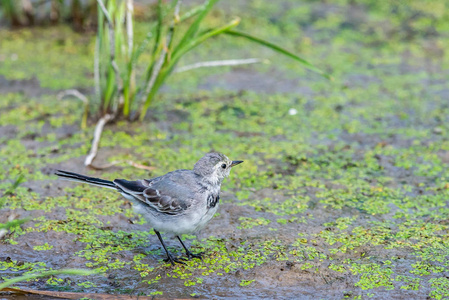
143 45
12 224
19 180
191 13
160 17
159 28
75 272
193 29
279 50
110 87
203 37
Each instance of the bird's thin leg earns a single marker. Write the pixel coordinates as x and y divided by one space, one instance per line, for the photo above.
169 256
188 253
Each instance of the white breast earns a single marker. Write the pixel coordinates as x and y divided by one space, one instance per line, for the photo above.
206 217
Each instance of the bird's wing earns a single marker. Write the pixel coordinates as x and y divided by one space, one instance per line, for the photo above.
166 194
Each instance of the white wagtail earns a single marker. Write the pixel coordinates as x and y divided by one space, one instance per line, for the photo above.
179 202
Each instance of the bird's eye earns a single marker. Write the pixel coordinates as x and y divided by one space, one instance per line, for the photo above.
223 166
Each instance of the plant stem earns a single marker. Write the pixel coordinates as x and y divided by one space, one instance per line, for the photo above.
97 83
162 58
129 26
96 141
219 63
130 81
154 75
113 63
80 96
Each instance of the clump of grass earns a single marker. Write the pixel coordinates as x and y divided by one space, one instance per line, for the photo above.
118 90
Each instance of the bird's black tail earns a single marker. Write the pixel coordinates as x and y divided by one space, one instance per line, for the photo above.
85 179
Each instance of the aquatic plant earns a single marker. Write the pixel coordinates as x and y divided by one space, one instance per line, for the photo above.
74 272
4 227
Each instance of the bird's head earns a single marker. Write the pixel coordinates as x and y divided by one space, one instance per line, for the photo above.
214 167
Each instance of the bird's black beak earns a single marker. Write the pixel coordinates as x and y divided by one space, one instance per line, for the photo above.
236 162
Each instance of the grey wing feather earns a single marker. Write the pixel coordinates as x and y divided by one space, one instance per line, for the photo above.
163 194
130 186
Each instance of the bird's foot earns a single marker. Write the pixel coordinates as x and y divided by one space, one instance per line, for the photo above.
191 255
170 258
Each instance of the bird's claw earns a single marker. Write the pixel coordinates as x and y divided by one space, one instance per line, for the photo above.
174 260
192 255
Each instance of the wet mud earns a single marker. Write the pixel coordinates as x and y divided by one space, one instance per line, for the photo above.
348 200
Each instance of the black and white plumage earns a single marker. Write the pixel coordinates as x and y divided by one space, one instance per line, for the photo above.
179 202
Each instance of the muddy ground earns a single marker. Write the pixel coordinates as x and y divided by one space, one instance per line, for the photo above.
344 189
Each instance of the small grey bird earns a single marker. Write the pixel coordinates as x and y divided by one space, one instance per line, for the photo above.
179 202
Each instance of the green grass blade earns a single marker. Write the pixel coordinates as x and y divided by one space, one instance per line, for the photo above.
172 29
143 45
159 26
128 95
19 180
109 90
160 18
75 272
153 32
119 16
12 224
157 43
279 50
201 38
193 29
98 50
191 13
